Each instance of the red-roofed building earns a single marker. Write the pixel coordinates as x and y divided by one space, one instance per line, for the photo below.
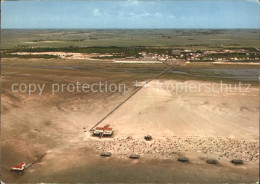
18 167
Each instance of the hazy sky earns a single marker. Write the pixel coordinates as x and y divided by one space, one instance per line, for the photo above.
131 14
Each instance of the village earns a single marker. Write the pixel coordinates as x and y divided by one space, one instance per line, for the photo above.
141 54
226 55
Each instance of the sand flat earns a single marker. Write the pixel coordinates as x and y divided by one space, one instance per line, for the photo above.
197 125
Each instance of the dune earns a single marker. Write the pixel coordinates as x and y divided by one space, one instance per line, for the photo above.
163 112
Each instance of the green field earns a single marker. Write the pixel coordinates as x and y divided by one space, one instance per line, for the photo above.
173 38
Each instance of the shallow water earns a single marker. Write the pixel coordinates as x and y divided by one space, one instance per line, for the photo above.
237 74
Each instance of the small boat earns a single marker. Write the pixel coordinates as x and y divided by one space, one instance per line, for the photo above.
211 161
134 156
105 154
237 161
183 159
148 137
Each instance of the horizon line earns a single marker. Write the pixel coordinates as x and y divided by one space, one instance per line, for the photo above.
128 28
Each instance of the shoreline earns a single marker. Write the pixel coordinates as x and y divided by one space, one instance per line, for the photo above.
183 63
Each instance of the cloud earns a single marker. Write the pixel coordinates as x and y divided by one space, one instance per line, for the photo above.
254 1
141 15
171 17
133 2
145 15
158 15
96 12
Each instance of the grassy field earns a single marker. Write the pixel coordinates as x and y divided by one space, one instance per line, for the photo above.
178 38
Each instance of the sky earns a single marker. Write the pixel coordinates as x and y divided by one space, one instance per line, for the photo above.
130 14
